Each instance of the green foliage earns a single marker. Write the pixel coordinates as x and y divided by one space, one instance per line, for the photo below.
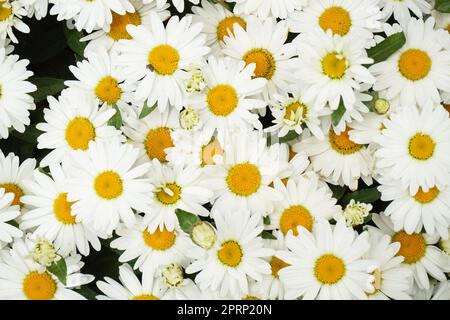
59 270
187 220
387 47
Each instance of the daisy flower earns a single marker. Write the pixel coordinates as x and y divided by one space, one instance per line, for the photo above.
118 28
420 254
365 130
36 8
155 59
13 174
263 44
130 287
327 264
268 8
106 185
332 68
50 214
401 9
338 158
8 213
151 249
15 99
179 287
437 291
178 4
416 72
242 176
11 13
71 122
305 201
236 257
415 149
227 101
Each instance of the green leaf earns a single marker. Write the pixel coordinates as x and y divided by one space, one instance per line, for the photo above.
46 87
87 292
387 47
366 195
116 120
268 235
442 6
338 191
266 220
59 269
337 114
289 137
371 104
73 41
187 220
146 110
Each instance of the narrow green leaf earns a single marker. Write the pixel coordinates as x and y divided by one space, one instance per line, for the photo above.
187 220
442 6
116 120
366 195
268 235
338 191
146 110
59 269
289 137
371 104
73 41
337 114
87 292
46 87
387 47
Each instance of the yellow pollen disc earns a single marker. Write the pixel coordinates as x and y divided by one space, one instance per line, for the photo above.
264 60
414 64
421 146
295 216
13 188
39 286
412 246
156 142
5 13
79 132
329 269
118 27
337 19
292 108
169 197
63 209
159 240
230 254
426 197
108 185
209 151
251 298
164 59
342 144
226 26
108 90
276 265
334 66
244 179
222 100
145 297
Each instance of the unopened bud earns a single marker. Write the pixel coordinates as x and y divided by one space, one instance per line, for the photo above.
382 106
173 275
203 235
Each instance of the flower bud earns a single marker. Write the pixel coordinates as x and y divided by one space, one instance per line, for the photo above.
203 235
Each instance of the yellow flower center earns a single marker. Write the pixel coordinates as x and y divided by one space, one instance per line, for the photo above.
170 194
209 151
226 26
329 269
426 197
264 60
291 110
249 297
244 179
164 59
412 246
63 209
16 190
421 146
230 254
295 216
108 185
342 144
276 265
39 286
222 100
108 90
334 66
79 132
337 19
5 12
145 297
414 64
159 240
118 27
156 142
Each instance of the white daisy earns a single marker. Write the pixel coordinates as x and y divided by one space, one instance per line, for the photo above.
36 8
156 58
401 9
178 4
179 287
106 185
8 213
327 264
265 8
11 13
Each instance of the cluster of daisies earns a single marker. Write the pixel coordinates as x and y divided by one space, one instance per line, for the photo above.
207 145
